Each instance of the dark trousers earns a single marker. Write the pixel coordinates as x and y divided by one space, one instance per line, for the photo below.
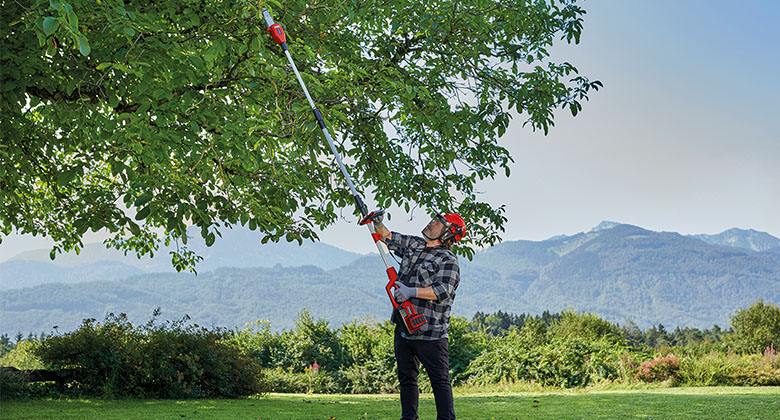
434 355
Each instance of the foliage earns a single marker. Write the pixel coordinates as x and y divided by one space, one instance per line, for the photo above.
12 385
499 322
662 368
464 346
756 328
657 336
371 357
557 356
116 358
322 382
310 341
586 326
730 369
143 117
5 345
22 356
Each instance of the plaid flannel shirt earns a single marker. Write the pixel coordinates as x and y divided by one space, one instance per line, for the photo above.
435 267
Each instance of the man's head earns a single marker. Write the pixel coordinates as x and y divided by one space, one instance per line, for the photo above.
446 227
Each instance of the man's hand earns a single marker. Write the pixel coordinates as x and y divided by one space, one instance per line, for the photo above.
404 292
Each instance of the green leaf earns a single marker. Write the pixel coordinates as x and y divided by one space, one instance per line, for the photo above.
143 199
84 48
134 228
50 24
64 178
143 213
73 20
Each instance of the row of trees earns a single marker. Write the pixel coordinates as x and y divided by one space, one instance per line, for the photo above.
568 349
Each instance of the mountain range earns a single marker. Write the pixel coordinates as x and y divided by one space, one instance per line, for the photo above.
619 271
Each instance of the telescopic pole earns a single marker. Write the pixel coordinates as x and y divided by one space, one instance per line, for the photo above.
412 320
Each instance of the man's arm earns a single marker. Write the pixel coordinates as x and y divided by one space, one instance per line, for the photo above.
426 293
383 231
404 292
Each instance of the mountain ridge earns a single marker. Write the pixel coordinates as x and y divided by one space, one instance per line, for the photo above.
623 273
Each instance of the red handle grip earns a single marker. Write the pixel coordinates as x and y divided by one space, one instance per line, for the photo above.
412 320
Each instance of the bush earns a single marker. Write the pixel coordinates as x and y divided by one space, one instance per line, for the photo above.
258 342
664 368
730 369
511 358
464 346
576 350
370 357
585 326
116 359
756 328
310 341
309 381
579 362
12 385
22 356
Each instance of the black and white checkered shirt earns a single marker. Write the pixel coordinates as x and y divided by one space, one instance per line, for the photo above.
435 267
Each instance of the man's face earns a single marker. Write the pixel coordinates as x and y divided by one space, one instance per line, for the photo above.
433 229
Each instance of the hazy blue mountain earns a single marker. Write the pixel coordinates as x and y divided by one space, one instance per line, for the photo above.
743 238
16 274
621 272
237 248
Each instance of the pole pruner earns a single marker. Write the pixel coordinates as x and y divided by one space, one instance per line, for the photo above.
413 321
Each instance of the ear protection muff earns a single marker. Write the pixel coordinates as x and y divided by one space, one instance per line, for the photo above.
451 230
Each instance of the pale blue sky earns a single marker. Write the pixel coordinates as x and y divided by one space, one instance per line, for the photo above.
683 137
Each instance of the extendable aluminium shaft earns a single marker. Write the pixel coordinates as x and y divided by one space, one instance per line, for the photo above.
412 320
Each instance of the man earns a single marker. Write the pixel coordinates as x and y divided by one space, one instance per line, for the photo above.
428 277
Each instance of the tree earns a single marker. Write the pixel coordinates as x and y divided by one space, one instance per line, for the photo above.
5 345
756 327
143 117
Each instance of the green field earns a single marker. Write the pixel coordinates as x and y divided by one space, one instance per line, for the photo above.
718 402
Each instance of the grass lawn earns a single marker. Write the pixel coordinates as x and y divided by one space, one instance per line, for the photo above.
716 402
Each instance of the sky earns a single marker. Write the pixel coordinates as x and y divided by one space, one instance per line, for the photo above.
683 137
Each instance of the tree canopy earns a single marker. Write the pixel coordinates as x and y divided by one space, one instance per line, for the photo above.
144 117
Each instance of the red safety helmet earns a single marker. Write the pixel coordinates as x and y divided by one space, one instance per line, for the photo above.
455 227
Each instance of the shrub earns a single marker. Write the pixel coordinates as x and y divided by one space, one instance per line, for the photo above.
510 358
572 362
585 326
311 340
464 346
308 381
12 385
756 328
175 360
370 357
257 341
662 368
579 362
22 356
730 369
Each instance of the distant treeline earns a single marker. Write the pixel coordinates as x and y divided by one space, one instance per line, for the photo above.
501 322
116 358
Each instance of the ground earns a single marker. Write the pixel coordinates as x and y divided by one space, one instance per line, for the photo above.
665 403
